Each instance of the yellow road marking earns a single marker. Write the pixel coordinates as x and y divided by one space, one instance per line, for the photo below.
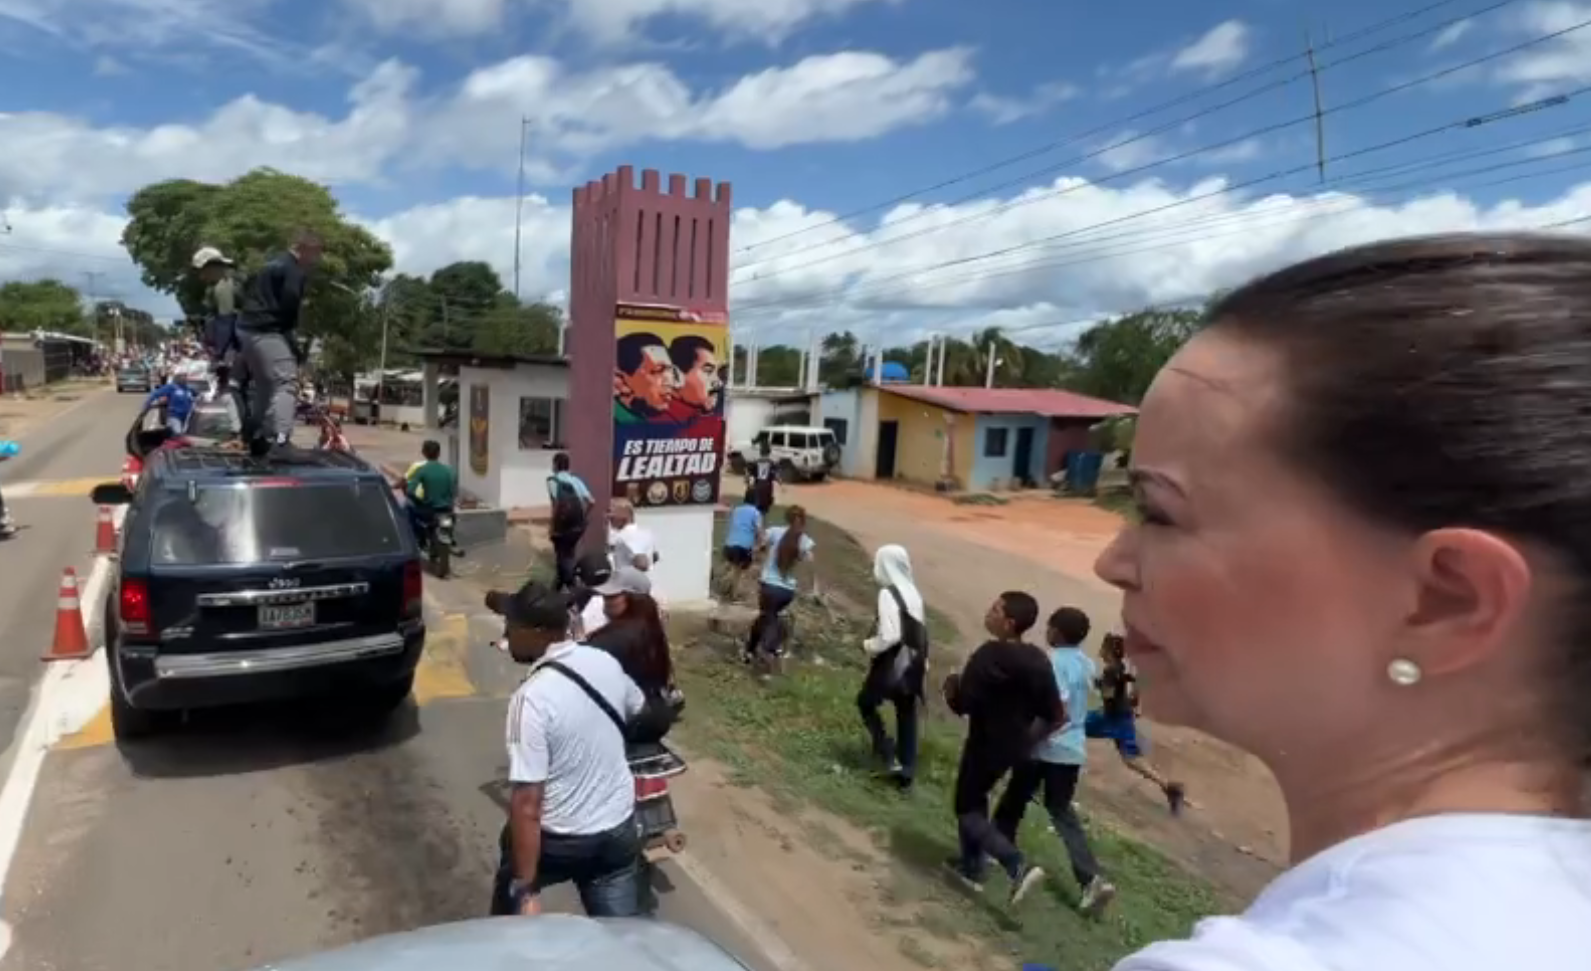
96 733
440 675
58 488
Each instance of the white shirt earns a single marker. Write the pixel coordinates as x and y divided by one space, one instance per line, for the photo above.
890 628
1462 892
626 544
558 735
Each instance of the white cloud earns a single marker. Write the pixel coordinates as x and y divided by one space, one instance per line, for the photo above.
847 96
1220 50
144 26
54 157
895 292
1550 67
1003 110
605 22
1451 34
1130 150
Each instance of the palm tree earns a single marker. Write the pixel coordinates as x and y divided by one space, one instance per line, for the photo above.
992 343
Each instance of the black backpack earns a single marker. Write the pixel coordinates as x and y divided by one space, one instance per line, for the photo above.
568 512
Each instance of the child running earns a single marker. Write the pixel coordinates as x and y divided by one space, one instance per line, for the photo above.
1117 719
1057 763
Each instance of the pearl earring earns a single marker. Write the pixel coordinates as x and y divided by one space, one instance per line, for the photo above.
1403 672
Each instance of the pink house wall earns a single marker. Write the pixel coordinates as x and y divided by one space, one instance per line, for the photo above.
633 244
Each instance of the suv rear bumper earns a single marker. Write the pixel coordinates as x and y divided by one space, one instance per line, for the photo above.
159 682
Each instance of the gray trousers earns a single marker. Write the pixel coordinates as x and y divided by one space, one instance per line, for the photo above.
273 382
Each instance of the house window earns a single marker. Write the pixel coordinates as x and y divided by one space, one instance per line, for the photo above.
839 426
538 423
995 442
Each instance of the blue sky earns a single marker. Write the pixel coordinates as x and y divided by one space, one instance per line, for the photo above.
812 109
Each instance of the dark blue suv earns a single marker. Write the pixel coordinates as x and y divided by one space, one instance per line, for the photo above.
244 579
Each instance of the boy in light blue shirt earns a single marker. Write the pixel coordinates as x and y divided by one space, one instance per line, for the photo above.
740 543
1057 762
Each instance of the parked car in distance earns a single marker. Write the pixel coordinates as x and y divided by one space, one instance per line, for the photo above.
801 452
242 580
134 379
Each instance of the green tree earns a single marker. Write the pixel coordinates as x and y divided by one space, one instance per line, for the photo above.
1117 359
43 305
250 219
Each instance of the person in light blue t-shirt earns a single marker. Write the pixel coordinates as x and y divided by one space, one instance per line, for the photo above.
788 546
740 543
1057 762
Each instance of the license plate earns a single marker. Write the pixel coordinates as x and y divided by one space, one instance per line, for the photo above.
287 616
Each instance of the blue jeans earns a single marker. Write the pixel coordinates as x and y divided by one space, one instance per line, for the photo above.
604 867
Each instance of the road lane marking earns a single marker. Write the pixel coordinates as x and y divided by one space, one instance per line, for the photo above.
442 673
56 488
67 697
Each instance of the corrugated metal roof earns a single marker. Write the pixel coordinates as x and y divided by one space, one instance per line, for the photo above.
1049 402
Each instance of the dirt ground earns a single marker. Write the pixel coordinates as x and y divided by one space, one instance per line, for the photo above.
965 555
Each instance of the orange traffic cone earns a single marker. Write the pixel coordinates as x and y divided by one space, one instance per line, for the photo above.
105 532
71 637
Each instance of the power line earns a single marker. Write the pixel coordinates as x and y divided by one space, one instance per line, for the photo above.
1155 109
1180 156
1460 124
1259 218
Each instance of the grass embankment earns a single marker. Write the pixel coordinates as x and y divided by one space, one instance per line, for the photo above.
799 738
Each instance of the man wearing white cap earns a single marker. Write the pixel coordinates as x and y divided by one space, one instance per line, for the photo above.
220 329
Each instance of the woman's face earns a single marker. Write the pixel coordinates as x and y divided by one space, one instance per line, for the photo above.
615 606
1257 607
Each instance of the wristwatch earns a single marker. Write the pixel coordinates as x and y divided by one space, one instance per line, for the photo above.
519 890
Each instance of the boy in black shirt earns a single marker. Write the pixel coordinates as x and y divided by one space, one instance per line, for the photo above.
1008 695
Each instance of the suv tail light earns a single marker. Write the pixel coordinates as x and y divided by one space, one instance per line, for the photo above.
413 589
133 608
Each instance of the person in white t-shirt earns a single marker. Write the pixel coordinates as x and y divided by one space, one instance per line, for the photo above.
1363 554
629 543
571 815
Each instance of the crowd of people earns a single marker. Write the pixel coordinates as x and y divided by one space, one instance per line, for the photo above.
1360 553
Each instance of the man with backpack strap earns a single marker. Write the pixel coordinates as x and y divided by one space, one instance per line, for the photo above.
571 507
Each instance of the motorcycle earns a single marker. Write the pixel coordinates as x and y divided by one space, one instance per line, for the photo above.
653 764
440 544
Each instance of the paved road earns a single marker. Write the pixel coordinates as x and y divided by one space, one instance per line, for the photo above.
46 488
258 835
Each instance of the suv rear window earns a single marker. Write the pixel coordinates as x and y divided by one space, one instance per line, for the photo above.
242 522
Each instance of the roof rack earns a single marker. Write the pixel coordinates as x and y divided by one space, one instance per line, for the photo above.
213 460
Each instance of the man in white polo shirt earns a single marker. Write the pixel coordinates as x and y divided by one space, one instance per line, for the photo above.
629 543
571 812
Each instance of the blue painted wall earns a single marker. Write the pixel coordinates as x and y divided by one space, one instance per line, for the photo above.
986 469
845 405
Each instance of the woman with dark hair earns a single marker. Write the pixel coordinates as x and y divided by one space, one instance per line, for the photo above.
1364 556
788 546
635 635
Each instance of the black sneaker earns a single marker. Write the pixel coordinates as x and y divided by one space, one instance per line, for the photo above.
1176 797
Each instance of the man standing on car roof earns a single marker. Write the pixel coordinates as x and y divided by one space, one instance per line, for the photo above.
267 330
219 336
571 814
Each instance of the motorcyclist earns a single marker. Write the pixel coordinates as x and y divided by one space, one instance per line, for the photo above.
431 489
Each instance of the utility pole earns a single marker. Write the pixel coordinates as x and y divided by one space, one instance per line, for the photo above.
519 198
381 375
994 359
1320 118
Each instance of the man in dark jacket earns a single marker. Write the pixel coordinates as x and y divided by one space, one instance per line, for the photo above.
267 329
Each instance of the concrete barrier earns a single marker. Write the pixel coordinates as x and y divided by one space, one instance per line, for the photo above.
473 528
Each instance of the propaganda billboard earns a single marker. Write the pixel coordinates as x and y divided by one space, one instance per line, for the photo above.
668 405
